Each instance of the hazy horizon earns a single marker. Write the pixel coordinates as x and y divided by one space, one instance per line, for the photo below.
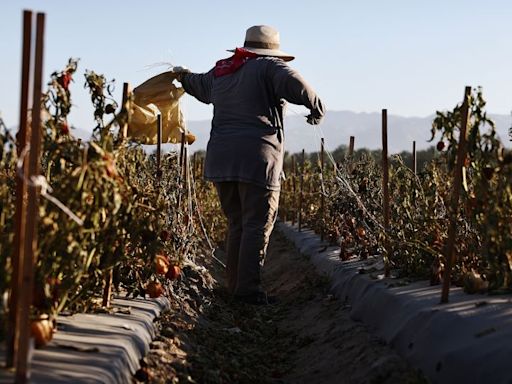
412 58
337 128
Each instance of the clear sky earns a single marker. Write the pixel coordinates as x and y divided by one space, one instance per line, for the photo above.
412 57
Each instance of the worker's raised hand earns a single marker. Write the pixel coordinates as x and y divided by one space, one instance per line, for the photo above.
313 120
180 72
180 69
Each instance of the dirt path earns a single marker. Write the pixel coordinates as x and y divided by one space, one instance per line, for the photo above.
307 338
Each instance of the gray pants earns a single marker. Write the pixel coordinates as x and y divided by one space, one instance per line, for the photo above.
251 212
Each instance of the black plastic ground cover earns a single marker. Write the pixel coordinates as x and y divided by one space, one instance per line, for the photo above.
99 348
465 341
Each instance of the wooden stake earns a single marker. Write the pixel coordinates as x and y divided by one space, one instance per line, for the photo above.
185 165
414 169
194 165
181 173
184 158
21 197
109 277
125 106
182 146
201 166
107 289
301 187
350 153
294 187
457 182
158 147
283 196
322 197
30 244
385 187
351 146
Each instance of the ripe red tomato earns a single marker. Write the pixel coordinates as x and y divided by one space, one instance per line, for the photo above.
154 289
41 331
174 272
165 235
64 128
161 264
64 80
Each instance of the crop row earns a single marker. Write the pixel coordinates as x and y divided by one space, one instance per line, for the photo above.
114 214
414 244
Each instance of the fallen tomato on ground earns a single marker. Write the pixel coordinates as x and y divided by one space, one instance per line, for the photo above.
161 264
173 273
154 289
42 332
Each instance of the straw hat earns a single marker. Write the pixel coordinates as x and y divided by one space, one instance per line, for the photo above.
264 40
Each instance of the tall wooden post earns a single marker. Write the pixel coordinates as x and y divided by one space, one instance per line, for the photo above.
385 187
301 186
21 197
30 243
414 166
322 191
351 146
457 181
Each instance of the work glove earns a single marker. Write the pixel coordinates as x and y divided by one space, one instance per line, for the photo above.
313 118
180 71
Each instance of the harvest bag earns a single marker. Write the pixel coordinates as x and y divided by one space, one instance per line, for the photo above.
154 96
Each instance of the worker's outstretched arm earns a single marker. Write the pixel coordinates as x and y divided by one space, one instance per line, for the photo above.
289 85
198 85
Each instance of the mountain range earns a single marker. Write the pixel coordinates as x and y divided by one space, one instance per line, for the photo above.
338 126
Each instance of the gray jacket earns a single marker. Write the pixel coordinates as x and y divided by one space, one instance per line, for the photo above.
246 138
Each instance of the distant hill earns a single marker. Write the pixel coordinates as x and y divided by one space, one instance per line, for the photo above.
338 126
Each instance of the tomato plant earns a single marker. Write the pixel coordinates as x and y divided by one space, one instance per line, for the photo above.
118 215
7 204
415 241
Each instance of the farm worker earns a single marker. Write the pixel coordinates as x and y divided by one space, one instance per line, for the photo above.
244 156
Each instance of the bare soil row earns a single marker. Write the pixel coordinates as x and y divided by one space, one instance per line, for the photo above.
307 338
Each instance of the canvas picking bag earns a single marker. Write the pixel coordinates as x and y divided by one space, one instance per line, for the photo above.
158 95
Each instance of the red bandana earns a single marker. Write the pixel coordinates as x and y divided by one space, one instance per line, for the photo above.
233 63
